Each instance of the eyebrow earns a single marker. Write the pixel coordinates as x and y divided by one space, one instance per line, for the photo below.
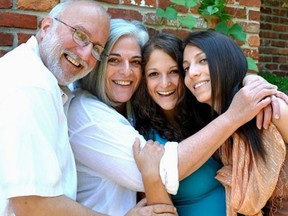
170 68
81 28
197 54
117 54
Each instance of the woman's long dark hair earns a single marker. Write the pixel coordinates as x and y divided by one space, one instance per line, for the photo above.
149 115
227 66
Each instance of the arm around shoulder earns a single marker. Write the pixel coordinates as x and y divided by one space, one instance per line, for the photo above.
281 123
46 206
148 162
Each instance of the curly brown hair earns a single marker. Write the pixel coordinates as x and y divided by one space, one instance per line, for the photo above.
149 115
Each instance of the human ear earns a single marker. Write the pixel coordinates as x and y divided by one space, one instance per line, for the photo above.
46 24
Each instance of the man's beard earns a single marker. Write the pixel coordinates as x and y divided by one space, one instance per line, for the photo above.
53 51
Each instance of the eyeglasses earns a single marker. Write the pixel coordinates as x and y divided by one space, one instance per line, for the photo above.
82 39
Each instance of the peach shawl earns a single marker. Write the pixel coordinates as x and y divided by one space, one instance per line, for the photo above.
249 183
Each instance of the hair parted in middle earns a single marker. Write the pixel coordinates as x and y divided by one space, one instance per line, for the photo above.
94 82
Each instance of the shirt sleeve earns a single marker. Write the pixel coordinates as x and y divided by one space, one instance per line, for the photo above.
102 140
28 137
169 168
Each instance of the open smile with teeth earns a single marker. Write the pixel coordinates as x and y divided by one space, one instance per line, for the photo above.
122 82
198 85
165 93
72 60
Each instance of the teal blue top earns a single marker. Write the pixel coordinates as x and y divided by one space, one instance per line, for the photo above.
199 194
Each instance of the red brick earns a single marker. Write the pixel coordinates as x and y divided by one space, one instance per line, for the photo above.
237 12
3 52
22 38
181 33
254 41
274 3
268 34
280 73
147 3
283 36
179 8
279 12
169 24
110 1
253 53
251 27
265 58
266 18
280 59
278 43
282 52
6 4
251 3
240 43
285 68
271 66
151 19
280 28
6 39
212 22
37 5
275 20
266 50
265 42
164 4
272 16
126 14
18 20
266 10
283 20
265 26
254 15
152 31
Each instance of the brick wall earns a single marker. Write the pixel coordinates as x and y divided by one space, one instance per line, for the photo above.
274 37
19 19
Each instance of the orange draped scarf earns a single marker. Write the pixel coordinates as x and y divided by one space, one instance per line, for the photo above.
250 182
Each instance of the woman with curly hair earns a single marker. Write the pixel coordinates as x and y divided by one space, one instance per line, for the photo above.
166 116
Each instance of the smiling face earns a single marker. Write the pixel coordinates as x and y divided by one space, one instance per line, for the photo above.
163 80
123 70
197 78
67 60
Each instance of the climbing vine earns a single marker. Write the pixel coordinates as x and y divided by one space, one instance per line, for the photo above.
208 9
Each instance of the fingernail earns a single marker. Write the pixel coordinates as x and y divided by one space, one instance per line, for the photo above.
276 116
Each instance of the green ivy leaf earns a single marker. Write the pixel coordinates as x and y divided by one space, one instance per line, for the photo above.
160 12
191 3
251 64
179 2
236 31
188 21
222 27
186 3
170 13
214 7
210 10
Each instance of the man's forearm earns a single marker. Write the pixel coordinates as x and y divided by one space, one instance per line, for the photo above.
47 206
